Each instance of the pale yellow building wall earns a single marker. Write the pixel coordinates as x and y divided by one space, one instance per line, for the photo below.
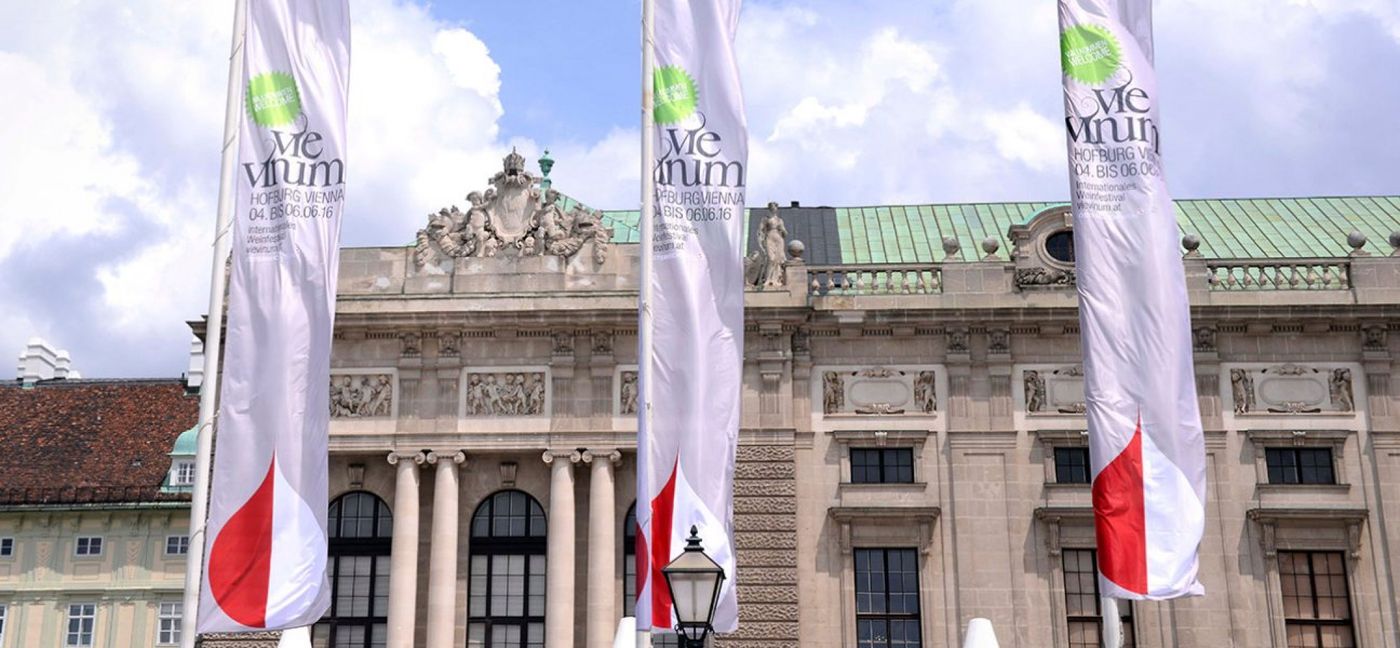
127 582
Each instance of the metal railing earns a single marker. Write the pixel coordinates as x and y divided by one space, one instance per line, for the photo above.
1279 274
875 279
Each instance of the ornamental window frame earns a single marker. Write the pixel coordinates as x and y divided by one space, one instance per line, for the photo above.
876 527
1335 440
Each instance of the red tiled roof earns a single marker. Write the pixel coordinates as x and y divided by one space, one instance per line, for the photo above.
90 441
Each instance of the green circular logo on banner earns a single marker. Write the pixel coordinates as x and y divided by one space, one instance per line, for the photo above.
674 94
273 99
1089 54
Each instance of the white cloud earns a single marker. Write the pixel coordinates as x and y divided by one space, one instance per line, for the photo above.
116 138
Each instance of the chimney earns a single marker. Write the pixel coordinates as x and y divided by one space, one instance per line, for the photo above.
40 361
795 204
194 376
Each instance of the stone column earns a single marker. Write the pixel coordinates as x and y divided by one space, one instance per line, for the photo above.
442 554
559 582
602 548
403 561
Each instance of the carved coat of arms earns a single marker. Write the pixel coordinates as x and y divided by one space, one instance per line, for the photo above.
512 217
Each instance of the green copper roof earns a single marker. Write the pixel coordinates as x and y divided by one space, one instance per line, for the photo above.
1232 228
187 443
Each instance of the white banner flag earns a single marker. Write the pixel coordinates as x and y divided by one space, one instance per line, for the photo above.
686 456
1146 446
265 567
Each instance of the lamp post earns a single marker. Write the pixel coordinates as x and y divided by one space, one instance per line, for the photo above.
694 580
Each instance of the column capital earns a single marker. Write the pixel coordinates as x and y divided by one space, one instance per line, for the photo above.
574 456
418 458
611 455
457 456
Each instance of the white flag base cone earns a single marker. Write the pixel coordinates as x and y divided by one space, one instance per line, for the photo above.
626 635
295 638
980 634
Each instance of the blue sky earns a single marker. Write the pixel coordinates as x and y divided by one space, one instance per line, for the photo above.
109 156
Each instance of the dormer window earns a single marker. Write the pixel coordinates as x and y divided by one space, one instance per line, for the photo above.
180 477
182 474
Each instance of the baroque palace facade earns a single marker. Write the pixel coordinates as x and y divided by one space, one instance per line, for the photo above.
912 452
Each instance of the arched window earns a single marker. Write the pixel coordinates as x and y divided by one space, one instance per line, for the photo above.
361 530
505 601
629 576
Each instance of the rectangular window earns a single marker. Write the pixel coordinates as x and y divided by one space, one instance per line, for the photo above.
4 621
882 465
887 598
82 617
177 545
1299 465
1316 606
7 547
184 474
1083 615
1072 465
168 618
88 546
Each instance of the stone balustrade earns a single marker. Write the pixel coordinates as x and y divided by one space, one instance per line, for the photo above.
1279 274
875 279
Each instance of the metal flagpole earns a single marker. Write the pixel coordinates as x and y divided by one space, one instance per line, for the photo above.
1112 623
646 222
213 331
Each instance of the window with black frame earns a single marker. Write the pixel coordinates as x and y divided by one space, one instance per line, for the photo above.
1300 465
1083 614
505 594
361 532
882 465
887 598
629 576
1072 465
1316 599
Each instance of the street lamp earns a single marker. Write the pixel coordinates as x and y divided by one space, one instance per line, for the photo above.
694 580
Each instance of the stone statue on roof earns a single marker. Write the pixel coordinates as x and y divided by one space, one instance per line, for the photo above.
764 265
513 218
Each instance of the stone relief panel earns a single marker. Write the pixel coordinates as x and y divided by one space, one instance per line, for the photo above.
364 393
878 391
505 392
1050 390
1310 388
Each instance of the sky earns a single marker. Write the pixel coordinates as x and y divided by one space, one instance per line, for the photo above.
110 127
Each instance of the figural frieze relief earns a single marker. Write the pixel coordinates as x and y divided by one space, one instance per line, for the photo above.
514 217
879 391
505 393
1292 389
362 395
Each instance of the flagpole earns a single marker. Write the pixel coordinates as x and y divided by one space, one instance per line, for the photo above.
1112 623
213 331
646 223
